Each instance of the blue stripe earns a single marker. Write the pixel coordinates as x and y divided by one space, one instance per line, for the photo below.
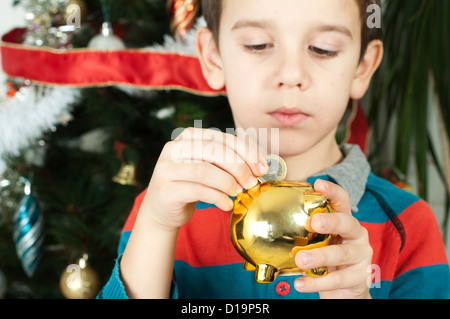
382 192
125 236
229 282
204 206
370 210
414 283
201 205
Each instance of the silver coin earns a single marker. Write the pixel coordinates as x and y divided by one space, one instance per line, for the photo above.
277 169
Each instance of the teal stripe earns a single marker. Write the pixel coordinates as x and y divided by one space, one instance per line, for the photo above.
414 284
229 282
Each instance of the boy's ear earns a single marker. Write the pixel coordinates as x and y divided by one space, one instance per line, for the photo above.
366 69
210 60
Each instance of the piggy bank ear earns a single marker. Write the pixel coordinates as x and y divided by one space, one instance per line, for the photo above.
239 208
242 203
244 200
315 203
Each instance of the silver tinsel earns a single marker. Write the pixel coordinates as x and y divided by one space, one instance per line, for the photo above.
46 25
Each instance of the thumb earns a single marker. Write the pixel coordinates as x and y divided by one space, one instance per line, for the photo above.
339 200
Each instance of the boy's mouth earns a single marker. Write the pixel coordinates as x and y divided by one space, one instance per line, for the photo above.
289 116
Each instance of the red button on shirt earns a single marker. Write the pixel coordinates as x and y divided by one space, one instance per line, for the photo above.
283 288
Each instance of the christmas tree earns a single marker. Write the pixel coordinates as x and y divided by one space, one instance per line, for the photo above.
98 133
77 145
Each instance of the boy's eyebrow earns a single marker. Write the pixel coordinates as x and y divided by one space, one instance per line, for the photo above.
261 24
335 28
250 24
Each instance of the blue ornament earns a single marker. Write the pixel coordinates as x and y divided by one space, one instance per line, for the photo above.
28 231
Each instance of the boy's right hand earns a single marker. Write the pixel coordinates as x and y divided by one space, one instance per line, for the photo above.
200 166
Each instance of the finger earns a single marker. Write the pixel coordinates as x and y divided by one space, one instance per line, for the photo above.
341 224
201 193
195 152
334 255
344 278
245 148
338 198
206 174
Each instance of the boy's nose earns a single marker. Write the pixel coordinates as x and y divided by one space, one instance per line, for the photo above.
292 73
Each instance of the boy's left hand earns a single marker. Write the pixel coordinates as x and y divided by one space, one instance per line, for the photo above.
348 260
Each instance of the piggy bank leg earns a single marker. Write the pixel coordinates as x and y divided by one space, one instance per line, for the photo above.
249 266
265 273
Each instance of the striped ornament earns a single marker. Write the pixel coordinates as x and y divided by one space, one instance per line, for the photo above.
28 232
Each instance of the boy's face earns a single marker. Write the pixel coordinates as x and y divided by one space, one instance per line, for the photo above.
292 65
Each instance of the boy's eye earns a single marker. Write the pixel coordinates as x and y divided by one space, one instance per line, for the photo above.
323 53
258 48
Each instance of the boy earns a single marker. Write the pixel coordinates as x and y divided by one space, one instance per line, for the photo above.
288 65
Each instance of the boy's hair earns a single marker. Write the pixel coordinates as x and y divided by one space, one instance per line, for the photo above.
212 12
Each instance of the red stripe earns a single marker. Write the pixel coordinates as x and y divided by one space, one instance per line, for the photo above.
424 245
85 68
206 241
203 241
385 243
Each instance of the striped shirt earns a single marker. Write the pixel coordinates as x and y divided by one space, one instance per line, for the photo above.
409 257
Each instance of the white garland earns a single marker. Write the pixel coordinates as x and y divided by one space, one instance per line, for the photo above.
38 109
32 112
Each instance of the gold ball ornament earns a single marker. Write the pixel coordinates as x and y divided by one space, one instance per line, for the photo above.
79 281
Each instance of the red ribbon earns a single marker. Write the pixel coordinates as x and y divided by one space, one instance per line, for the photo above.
137 68
140 68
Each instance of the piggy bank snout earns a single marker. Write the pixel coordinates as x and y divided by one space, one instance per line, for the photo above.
269 226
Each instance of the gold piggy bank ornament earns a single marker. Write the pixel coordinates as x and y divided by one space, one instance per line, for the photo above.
269 227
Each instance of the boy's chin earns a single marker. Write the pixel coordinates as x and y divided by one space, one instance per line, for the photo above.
286 151
295 150
287 147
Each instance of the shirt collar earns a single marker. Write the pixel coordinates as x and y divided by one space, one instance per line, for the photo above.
351 173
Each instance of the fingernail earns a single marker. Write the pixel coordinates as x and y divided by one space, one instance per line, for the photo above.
231 205
239 189
319 222
321 184
299 284
262 167
306 258
252 181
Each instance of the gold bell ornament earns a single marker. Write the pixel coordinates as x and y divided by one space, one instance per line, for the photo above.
79 281
270 224
126 175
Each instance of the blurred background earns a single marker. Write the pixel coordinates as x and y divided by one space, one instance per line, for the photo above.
73 159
